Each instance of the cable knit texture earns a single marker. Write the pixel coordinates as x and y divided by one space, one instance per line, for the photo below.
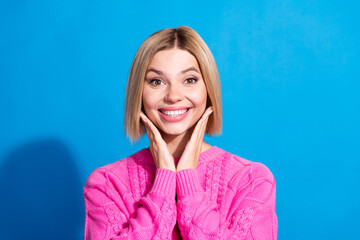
226 197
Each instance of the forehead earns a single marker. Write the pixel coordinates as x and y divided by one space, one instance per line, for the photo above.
173 59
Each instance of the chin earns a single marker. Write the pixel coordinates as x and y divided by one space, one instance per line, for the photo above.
174 131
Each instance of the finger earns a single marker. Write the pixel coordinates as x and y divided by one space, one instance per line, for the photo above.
201 132
155 131
203 128
201 124
207 113
151 127
205 121
156 141
148 129
150 134
146 123
198 135
143 117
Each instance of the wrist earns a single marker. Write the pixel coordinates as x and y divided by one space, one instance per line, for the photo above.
185 165
167 167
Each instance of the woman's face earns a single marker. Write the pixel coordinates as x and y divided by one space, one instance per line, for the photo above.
174 93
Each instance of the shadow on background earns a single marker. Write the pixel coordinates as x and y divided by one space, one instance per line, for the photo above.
40 193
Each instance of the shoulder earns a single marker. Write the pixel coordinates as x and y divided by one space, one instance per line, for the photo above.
242 171
118 171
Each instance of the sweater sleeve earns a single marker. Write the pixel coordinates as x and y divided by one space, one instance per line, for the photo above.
251 213
108 216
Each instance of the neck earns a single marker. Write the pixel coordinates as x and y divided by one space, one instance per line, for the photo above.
177 143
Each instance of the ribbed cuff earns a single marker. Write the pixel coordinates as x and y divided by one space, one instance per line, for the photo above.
187 182
164 183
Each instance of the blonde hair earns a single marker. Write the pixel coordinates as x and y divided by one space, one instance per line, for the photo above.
184 38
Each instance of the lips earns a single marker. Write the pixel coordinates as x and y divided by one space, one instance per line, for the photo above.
174 114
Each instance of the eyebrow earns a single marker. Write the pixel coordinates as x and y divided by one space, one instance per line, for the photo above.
155 71
189 69
161 73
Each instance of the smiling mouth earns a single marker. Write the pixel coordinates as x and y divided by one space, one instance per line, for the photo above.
175 113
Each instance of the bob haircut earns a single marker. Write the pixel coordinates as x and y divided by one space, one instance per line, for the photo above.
184 38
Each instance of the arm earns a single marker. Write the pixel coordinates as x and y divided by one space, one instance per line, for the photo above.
108 216
251 214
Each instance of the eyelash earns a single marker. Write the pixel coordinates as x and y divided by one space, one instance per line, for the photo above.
155 81
152 82
194 79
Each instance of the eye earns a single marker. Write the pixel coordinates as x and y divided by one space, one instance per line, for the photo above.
156 82
191 80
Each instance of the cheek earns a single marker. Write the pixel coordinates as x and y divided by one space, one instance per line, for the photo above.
146 101
200 102
149 103
200 97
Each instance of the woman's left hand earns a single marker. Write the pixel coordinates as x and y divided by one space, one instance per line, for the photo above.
191 154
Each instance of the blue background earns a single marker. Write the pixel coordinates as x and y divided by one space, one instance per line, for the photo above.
290 74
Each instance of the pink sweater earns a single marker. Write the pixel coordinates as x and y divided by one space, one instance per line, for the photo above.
226 197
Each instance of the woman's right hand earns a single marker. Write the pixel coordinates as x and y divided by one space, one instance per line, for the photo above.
158 147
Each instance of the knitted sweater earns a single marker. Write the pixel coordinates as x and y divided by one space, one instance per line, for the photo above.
226 197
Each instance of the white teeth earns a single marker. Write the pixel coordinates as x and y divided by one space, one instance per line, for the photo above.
174 113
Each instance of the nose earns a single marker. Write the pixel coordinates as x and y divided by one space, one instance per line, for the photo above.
173 94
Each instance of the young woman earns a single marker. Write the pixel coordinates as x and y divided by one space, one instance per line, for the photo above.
180 187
